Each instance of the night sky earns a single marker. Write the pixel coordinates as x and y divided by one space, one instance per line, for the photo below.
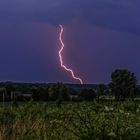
100 36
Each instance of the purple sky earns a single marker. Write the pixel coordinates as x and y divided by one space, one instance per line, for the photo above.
100 36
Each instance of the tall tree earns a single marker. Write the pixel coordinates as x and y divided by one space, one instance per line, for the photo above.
123 84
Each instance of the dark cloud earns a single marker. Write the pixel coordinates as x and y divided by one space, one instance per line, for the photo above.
120 15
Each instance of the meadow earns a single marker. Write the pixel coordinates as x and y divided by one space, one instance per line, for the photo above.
71 121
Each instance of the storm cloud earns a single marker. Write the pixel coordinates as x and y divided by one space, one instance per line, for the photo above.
122 15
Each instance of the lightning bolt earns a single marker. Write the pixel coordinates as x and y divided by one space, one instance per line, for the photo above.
61 58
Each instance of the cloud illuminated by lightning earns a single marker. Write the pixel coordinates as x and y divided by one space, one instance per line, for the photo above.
61 58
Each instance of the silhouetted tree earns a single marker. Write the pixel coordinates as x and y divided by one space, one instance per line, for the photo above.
58 92
123 84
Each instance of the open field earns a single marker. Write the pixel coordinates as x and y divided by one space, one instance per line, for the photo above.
71 121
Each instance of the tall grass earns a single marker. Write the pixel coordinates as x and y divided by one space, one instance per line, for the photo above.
72 121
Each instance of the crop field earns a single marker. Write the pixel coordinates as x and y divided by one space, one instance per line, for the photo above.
70 121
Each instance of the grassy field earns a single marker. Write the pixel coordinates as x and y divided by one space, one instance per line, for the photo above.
71 121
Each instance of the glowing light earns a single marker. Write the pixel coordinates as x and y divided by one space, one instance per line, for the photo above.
61 58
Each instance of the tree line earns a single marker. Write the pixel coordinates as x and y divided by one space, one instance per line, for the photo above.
123 86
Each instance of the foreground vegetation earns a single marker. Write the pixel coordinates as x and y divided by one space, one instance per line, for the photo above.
63 112
71 121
